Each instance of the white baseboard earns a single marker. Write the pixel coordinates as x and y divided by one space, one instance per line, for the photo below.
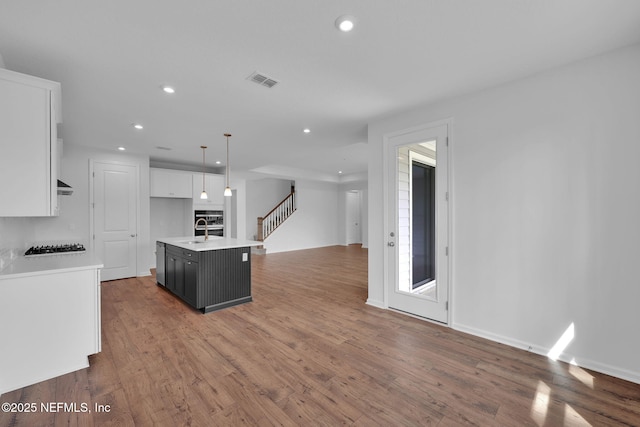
55 371
603 368
375 303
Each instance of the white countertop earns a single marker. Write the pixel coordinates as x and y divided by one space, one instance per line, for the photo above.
47 264
214 243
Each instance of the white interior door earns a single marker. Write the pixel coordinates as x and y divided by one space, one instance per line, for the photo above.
354 234
420 146
115 196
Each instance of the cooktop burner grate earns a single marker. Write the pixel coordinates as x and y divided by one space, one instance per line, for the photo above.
55 249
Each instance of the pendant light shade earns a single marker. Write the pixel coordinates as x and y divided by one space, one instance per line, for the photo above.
227 190
203 195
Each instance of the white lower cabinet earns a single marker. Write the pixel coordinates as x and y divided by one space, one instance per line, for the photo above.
49 324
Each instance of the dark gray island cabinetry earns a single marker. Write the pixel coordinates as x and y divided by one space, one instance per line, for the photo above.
208 275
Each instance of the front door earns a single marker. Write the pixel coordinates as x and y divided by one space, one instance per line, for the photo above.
115 229
417 222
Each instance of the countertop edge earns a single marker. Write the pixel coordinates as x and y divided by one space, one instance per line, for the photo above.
214 243
22 266
9 275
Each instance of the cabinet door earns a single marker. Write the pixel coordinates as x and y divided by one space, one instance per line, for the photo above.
191 282
158 183
181 185
169 183
179 283
26 131
217 187
170 273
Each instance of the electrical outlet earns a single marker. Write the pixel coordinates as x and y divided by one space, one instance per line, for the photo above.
245 257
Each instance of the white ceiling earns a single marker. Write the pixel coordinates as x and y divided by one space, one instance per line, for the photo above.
112 57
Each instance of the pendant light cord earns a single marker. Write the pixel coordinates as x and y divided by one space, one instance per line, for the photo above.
227 135
204 147
227 190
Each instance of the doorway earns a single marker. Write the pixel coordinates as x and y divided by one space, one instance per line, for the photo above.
417 222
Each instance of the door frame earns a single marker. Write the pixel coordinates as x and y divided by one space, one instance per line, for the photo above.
386 189
92 177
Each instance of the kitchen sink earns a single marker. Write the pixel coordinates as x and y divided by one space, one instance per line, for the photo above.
193 242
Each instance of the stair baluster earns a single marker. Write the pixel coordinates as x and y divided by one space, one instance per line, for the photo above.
283 210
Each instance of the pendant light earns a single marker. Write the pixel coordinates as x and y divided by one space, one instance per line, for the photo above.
227 190
203 195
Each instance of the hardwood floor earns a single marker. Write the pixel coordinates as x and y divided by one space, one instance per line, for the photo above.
308 351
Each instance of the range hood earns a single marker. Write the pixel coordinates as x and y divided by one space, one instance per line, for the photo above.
64 189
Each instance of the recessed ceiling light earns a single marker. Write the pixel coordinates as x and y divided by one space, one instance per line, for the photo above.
339 172
345 23
307 130
138 126
218 162
168 89
121 148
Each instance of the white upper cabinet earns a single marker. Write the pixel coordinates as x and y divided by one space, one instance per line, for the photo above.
170 183
29 113
213 184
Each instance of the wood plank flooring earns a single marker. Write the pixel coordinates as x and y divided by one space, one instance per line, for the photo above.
309 351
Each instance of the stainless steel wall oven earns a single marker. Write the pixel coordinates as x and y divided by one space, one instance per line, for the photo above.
214 221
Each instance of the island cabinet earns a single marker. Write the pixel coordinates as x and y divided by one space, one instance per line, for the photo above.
209 280
181 273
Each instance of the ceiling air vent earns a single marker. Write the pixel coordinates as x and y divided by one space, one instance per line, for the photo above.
262 80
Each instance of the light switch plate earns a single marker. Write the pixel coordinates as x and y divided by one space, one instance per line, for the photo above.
245 257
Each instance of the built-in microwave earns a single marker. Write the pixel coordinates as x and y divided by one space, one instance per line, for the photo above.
213 221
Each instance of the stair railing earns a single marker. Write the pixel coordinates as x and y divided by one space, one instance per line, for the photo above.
268 223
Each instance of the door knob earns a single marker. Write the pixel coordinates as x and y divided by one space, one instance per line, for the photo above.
391 244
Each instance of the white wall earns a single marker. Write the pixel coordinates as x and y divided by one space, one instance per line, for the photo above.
314 222
545 207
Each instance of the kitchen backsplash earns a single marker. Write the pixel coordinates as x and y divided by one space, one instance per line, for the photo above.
6 256
14 235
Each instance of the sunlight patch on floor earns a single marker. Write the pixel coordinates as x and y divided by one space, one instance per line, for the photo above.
572 418
583 376
540 403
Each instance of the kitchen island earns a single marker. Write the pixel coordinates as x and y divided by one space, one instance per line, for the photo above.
206 274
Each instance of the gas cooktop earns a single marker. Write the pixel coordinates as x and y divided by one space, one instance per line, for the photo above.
55 249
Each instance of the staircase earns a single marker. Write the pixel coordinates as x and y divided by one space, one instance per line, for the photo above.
271 221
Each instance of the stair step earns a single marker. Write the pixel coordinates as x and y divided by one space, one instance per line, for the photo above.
260 250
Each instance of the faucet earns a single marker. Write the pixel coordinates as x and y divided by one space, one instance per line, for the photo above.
206 229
